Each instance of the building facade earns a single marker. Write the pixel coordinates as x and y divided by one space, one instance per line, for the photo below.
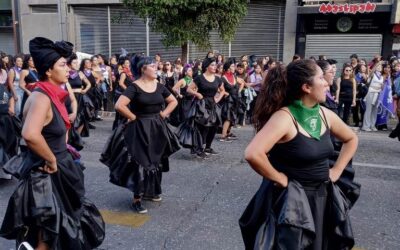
93 27
338 29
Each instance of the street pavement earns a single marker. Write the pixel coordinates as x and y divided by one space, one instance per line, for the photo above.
203 199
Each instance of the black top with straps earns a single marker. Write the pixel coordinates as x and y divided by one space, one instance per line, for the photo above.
303 158
76 83
55 132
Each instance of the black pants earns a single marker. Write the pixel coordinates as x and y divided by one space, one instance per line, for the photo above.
208 135
344 106
358 113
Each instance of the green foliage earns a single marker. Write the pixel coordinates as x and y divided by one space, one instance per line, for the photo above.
183 20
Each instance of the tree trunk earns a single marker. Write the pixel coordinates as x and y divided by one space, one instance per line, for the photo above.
184 53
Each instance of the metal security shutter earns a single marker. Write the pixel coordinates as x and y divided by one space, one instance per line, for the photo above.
91 28
341 46
261 31
129 33
156 47
216 45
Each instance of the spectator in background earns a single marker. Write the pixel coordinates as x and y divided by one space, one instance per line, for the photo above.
361 77
346 92
322 58
6 62
220 59
354 61
375 80
296 58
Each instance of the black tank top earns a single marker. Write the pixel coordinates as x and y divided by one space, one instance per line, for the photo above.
303 158
346 90
76 83
32 77
55 132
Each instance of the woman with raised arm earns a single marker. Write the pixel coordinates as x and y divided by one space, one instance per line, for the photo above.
148 140
48 208
291 152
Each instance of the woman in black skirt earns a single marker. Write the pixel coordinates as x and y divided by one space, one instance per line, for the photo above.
48 208
147 137
8 128
291 151
27 78
185 100
230 103
205 88
80 85
124 78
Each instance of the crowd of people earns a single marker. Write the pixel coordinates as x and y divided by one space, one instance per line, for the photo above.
162 106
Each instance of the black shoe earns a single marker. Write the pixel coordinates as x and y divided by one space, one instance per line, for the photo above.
201 155
155 198
91 126
137 206
210 151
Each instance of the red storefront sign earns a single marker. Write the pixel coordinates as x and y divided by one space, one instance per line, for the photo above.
367 7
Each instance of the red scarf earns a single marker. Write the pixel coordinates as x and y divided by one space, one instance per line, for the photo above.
57 96
230 77
128 73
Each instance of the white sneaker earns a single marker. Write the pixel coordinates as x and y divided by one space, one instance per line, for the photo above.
366 129
374 129
25 246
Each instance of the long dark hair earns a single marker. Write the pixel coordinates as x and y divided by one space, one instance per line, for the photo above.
82 67
25 62
281 87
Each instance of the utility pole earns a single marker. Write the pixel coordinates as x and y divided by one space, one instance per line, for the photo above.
62 18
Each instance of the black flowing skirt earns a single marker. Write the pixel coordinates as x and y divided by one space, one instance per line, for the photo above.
10 131
96 96
137 154
85 113
208 113
229 109
52 204
181 113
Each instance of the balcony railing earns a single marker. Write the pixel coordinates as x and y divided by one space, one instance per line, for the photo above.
318 2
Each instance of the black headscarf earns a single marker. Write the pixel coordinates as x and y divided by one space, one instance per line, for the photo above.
45 53
206 62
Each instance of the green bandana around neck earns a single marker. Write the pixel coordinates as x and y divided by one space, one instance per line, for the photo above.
308 118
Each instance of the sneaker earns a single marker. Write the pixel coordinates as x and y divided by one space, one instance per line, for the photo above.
137 206
156 198
232 137
210 151
201 155
374 129
366 129
25 246
98 118
225 139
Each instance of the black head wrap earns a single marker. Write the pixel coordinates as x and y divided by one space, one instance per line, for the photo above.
206 62
332 61
143 61
45 53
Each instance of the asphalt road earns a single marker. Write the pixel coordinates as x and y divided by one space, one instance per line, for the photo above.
203 199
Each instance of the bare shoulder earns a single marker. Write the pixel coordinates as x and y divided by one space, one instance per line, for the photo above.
281 118
39 99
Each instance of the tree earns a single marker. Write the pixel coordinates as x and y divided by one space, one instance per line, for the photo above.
181 21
